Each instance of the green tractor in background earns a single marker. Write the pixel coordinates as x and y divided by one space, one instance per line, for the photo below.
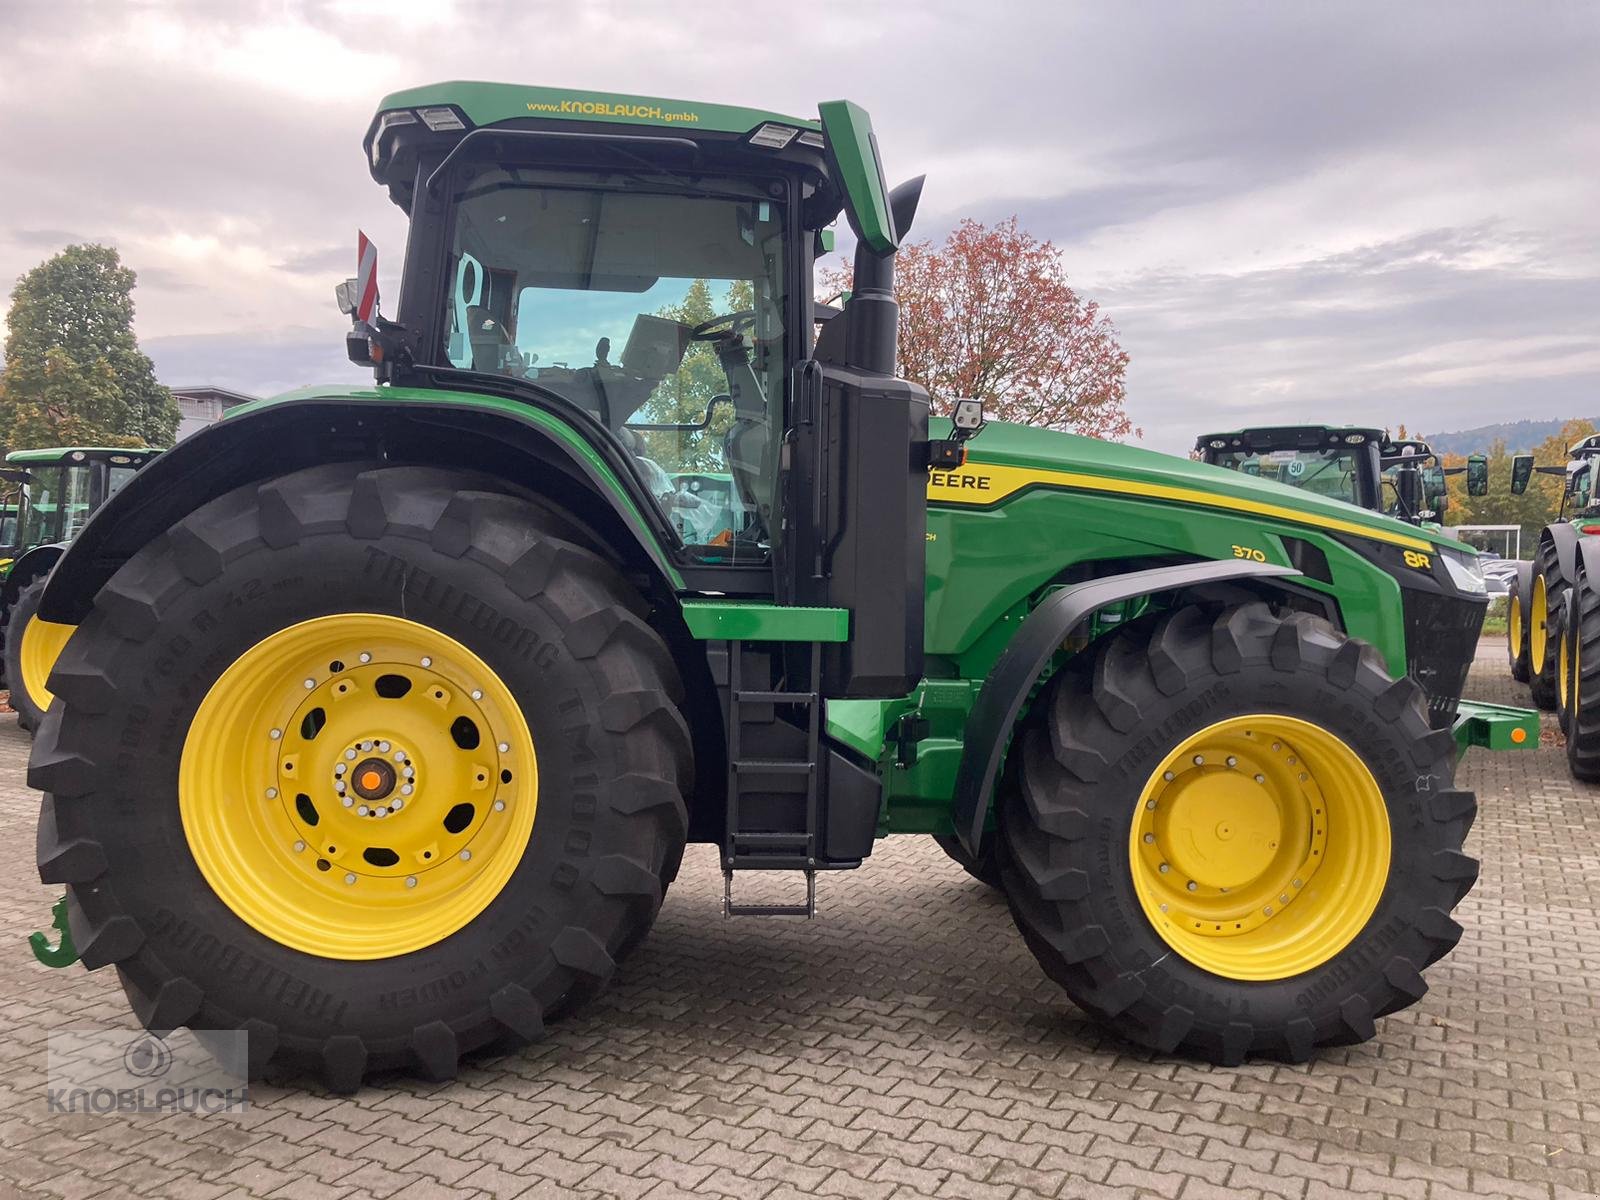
52 492
385 748
1366 467
1553 621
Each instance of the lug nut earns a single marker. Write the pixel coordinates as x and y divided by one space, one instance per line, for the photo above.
465 855
275 734
411 881
406 789
310 683
1261 778
499 806
1193 886
476 694
1164 868
505 748
365 657
299 846
426 661
272 793
349 878
1149 839
1232 761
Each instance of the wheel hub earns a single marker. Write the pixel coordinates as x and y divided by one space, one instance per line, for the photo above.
377 784
1231 854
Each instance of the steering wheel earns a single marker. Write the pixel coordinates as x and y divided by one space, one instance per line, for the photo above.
712 330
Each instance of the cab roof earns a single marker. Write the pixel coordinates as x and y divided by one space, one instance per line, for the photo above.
50 455
1284 437
491 103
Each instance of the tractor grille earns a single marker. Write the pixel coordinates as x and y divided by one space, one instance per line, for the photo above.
1441 638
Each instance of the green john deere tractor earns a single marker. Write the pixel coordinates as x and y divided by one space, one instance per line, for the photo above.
1553 625
385 747
55 491
1365 467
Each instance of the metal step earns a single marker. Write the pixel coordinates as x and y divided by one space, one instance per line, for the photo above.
808 910
773 766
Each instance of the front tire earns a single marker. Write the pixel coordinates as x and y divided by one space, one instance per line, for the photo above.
985 868
30 648
437 631
1548 594
1193 770
1517 599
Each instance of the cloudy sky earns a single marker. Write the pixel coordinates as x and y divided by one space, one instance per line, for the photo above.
1330 211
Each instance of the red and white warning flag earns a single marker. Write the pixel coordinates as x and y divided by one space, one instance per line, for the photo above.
366 278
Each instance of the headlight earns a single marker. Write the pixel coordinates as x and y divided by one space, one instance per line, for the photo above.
1465 573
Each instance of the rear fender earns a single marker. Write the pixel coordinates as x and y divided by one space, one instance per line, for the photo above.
534 451
25 570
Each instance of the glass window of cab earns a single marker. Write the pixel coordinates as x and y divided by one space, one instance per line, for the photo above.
654 303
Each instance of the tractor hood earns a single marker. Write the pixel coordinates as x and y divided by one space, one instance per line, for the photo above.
1020 456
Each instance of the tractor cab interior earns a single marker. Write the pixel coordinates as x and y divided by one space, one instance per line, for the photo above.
656 305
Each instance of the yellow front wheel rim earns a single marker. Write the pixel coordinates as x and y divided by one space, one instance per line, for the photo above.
1514 624
1562 668
358 786
1260 847
42 643
1538 623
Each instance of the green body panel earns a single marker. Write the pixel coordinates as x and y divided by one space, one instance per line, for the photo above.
553 425
492 103
729 620
853 150
1494 727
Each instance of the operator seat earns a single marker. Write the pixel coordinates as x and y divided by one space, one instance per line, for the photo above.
487 338
746 443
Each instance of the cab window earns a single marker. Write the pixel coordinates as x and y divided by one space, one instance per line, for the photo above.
653 303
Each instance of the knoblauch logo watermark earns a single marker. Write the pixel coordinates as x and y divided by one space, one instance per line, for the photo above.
108 1072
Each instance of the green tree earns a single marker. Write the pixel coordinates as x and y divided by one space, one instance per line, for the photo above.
74 373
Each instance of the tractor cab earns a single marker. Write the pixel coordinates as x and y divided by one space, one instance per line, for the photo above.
56 490
1580 495
649 271
1337 462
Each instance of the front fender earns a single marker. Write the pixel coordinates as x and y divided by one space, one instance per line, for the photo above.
535 450
989 725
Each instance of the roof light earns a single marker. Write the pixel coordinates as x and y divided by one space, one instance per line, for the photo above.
773 137
441 120
386 122
1354 439
812 138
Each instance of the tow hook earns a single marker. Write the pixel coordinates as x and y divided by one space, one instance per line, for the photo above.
63 955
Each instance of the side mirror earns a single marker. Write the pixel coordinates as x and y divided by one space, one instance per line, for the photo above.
1521 472
1478 475
345 295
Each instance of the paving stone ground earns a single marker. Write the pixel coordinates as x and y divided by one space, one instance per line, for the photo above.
903 1045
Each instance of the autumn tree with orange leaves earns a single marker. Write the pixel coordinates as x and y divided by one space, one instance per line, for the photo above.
990 315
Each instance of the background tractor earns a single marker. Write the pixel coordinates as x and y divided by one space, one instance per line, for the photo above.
1403 478
384 748
53 493
1553 621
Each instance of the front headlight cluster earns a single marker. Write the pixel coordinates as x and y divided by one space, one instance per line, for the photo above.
1465 571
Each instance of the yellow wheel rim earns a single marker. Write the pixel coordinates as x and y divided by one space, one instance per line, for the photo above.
1539 623
1567 671
358 786
42 644
1514 624
1260 847
1561 675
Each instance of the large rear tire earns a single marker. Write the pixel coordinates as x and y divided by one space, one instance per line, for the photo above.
1202 771
1579 664
30 648
346 634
